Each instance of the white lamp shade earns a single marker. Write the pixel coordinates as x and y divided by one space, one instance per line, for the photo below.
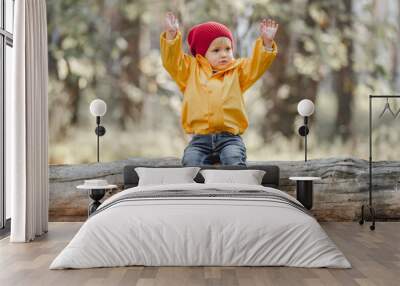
98 107
305 107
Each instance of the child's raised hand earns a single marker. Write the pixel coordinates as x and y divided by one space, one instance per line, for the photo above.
268 29
171 25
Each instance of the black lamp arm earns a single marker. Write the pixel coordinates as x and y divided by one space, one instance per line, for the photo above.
303 131
100 131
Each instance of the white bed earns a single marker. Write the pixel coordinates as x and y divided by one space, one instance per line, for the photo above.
269 228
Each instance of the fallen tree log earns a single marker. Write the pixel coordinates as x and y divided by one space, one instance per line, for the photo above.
338 196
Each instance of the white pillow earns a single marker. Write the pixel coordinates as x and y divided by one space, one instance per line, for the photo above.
248 177
162 176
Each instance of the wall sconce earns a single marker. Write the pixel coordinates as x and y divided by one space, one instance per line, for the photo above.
98 108
305 109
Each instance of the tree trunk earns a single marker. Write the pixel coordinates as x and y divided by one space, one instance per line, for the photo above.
127 74
282 113
345 79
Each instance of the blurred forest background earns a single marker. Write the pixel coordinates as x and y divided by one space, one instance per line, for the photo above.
335 53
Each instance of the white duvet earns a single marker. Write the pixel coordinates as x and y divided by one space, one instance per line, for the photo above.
187 231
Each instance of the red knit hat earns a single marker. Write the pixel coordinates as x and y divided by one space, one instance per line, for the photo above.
201 36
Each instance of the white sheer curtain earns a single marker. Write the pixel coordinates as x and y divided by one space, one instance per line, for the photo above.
27 124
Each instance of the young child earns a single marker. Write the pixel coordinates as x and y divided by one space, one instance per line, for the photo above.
213 83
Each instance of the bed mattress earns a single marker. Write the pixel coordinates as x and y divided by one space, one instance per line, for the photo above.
201 225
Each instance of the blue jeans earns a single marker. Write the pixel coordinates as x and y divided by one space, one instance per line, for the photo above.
203 148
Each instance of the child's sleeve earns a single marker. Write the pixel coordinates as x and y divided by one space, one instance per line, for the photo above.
175 61
251 69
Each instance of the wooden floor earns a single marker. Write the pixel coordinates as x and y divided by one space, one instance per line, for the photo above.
375 257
